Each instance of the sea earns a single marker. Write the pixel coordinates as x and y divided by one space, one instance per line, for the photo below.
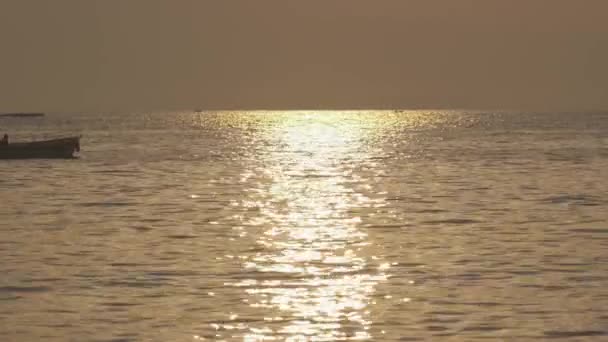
427 225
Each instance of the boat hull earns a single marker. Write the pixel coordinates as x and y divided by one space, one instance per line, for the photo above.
56 148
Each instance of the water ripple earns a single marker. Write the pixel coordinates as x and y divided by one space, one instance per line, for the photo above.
363 225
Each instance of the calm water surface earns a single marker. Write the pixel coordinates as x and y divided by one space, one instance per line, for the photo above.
308 226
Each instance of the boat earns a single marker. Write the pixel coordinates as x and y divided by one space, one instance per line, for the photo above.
55 148
22 115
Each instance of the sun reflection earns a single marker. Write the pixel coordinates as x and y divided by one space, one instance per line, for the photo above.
318 284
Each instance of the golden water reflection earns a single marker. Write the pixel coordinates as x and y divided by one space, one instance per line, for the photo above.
314 275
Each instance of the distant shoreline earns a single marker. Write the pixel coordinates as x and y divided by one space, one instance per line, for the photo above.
19 115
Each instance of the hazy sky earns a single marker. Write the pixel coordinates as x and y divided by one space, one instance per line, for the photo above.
100 55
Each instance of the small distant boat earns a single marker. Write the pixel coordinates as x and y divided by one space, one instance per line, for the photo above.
198 110
55 148
21 115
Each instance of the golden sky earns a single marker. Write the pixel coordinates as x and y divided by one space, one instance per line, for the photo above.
73 55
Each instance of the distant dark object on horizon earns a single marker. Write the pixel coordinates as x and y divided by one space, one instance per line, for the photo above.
21 115
198 110
44 149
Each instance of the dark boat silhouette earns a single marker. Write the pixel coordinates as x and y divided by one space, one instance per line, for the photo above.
55 148
21 115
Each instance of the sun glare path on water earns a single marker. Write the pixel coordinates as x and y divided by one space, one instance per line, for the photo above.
312 247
